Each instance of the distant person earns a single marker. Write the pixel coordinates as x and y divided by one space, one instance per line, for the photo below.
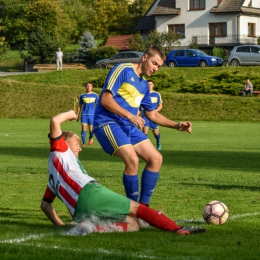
87 105
116 122
85 198
248 88
59 56
157 103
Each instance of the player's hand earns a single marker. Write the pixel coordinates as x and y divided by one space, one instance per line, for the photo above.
138 121
185 126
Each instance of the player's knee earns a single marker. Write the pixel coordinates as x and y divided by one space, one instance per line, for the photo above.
157 159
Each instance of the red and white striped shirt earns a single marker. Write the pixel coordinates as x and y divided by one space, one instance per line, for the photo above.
67 176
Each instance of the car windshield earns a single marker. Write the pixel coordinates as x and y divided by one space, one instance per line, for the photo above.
200 53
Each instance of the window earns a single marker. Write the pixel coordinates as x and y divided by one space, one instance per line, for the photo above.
190 53
179 53
243 49
218 29
177 28
255 50
119 56
251 29
197 4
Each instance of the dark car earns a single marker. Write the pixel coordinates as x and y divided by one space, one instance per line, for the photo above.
121 57
244 55
191 58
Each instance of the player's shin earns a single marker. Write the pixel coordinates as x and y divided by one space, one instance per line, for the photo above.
156 219
148 183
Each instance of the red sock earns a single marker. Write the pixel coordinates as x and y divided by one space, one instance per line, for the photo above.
156 218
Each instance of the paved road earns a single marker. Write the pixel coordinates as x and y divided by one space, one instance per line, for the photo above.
14 73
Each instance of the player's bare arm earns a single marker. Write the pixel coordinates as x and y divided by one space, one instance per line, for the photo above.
159 119
51 213
56 121
110 104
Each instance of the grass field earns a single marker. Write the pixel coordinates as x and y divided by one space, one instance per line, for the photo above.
220 160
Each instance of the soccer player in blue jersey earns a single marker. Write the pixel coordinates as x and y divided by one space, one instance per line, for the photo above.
117 125
87 104
157 104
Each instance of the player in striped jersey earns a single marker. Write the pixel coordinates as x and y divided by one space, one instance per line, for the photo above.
87 104
85 197
116 122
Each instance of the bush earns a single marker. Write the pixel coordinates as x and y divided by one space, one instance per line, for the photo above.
104 52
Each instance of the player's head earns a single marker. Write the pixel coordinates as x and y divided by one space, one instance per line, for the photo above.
152 59
73 142
150 85
89 87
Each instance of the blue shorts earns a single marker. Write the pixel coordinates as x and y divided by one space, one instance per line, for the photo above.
150 124
87 119
113 136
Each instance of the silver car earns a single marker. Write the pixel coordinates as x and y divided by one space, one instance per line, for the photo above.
121 57
244 55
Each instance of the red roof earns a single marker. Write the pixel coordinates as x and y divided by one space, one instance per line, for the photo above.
121 42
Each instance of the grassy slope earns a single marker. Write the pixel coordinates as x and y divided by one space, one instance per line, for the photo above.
40 95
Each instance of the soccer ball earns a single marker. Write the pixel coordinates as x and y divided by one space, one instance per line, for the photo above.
215 212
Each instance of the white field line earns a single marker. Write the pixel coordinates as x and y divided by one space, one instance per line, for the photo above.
5 134
230 218
23 241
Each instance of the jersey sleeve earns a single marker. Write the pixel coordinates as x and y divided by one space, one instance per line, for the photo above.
48 196
159 98
146 104
58 144
80 100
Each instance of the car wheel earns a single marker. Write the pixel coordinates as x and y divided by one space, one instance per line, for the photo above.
103 66
172 64
203 63
234 63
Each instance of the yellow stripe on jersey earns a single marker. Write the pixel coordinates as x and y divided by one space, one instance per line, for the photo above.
110 136
154 99
131 95
89 100
116 73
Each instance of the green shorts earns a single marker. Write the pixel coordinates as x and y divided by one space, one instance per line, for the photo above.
95 200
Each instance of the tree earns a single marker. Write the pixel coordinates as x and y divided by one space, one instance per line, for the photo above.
40 47
137 43
87 41
165 40
3 44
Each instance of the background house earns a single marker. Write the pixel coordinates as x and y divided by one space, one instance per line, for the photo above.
209 23
121 42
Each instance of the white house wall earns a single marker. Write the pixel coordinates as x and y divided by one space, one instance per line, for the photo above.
255 3
197 23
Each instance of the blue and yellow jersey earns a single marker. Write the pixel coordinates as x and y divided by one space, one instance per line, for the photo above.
128 90
155 99
88 102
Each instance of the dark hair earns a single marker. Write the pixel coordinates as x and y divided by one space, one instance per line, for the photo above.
89 82
154 49
149 80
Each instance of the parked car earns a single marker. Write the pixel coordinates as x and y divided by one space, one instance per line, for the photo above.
191 58
244 55
121 57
